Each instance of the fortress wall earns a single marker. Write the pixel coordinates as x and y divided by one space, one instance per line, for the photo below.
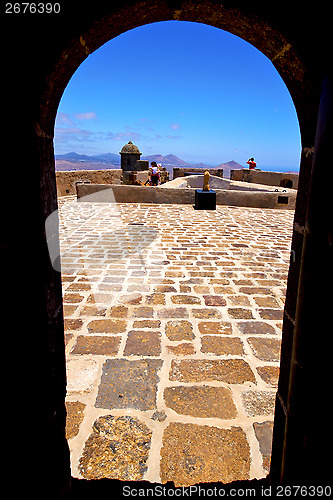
264 177
181 171
148 194
67 179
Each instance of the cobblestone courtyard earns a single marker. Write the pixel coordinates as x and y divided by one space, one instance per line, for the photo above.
173 327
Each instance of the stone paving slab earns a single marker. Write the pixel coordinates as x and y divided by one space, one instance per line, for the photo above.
194 453
173 328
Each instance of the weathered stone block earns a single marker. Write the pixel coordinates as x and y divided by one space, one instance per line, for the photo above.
118 448
73 324
129 384
182 349
271 313
201 401
87 344
179 330
240 313
264 434
147 323
258 402
106 326
266 349
173 312
221 345
81 375
255 328
185 299
269 374
142 343
215 327
194 453
214 300
143 312
73 298
232 371
155 298
206 313
74 418
118 312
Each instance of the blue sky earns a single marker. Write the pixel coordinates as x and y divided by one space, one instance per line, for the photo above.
184 88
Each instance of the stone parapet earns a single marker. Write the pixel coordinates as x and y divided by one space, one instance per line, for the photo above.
281 179
183 171
163 195
67 179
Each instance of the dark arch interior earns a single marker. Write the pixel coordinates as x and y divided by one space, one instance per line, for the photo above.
42 58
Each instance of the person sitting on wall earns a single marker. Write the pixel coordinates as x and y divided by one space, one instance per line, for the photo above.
155 174
252 164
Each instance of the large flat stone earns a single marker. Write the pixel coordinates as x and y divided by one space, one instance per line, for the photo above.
179 330
271 313
215 327
106 326
185 299
93 344
194 453
218 345
232 371
201 401
81 375
258 402
240 313
118 448
172 312
182 349
270 374
214 300
266 349
142 343
129 384
255 328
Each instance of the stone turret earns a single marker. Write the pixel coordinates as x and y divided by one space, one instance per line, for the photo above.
133 168
130 154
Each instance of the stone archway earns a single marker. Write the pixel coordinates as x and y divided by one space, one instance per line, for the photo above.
256 25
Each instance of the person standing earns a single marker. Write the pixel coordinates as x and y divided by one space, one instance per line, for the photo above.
155 175
252 164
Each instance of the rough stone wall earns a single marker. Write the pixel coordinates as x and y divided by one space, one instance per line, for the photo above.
131 176
67 180
147 194
142 165
263 177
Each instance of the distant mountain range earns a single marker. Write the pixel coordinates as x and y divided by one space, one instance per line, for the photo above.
75 161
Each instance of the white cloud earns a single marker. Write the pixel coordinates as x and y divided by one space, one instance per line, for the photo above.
175 126
122 136
86 116
63 119
173 136
72 134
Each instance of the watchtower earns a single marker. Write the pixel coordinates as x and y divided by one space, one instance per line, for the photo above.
130 154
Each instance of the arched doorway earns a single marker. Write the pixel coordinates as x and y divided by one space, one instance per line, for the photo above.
65 56
73 324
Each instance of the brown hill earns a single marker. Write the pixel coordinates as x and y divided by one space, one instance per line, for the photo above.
230 165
